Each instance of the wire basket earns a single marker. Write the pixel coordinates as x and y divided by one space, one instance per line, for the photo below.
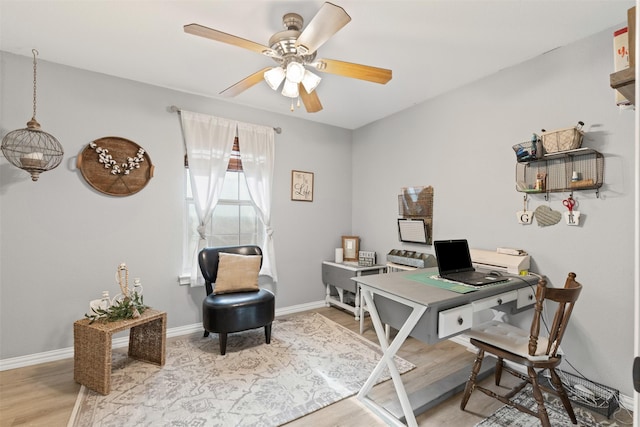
528 150
604 400
562 139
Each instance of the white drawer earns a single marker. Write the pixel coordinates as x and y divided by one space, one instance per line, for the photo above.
494 301
526 296
455 320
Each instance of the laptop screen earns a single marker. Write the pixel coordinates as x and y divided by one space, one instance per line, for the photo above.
452 255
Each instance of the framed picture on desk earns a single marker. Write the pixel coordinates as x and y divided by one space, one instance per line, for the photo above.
350 246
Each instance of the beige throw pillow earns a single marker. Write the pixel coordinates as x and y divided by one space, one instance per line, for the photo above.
237 273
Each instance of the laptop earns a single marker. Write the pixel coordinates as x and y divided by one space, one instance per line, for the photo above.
454 263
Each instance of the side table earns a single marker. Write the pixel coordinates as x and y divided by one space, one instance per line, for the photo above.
92 346
339 276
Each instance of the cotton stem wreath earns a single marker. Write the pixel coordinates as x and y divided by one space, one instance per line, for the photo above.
118 168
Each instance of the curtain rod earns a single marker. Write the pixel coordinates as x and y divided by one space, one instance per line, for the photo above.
175 109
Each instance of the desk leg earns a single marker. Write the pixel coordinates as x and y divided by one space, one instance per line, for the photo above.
362 307
387 359
327 297
356 303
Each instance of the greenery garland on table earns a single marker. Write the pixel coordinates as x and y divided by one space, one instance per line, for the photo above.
130 306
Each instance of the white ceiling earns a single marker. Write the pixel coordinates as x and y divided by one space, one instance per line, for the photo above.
432 46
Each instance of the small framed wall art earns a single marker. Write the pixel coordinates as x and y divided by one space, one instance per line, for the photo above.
350 247
302 186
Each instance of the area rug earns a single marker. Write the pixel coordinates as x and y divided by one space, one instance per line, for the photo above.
311 362
507 416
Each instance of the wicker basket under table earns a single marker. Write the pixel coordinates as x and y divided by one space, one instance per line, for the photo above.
92 346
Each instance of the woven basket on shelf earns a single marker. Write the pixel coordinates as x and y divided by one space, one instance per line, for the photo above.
562 139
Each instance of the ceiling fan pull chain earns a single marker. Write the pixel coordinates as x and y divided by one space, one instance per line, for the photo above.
291 104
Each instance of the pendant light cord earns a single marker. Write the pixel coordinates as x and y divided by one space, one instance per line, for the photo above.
35 52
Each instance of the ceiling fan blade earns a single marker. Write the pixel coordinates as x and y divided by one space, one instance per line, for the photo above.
356 71
328 21
310 100
210 33
245 83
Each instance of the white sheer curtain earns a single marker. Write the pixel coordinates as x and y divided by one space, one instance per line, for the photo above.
209 142
257 152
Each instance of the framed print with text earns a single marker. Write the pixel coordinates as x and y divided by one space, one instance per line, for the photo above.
302 186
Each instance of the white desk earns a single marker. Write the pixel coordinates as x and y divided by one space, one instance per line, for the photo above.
339 276
430 314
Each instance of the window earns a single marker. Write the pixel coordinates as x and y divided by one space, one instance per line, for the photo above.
234 220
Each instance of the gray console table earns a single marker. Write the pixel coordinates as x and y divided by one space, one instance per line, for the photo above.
339 276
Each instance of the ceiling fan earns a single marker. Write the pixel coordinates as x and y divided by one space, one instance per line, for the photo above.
295 49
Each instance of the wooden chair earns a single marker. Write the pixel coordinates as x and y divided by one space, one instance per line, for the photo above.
528 349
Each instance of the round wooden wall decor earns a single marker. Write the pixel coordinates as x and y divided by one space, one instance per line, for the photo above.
115 166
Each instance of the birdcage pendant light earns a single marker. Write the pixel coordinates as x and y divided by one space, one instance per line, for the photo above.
31 148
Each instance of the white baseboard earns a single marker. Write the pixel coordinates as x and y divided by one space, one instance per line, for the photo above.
65 353
626 402
300 307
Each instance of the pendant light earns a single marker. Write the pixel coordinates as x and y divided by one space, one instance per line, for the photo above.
32 149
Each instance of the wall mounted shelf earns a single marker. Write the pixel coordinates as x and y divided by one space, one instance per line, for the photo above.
624 81
558 169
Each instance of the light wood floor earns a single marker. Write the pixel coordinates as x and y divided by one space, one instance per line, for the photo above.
44 395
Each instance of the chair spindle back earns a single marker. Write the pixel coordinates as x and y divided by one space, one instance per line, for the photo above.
565 298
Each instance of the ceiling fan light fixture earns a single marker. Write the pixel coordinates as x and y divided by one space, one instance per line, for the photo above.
290 89
293 50
295 71
274 77
310 81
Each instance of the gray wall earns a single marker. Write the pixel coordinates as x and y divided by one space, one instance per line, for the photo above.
460 143
61 240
